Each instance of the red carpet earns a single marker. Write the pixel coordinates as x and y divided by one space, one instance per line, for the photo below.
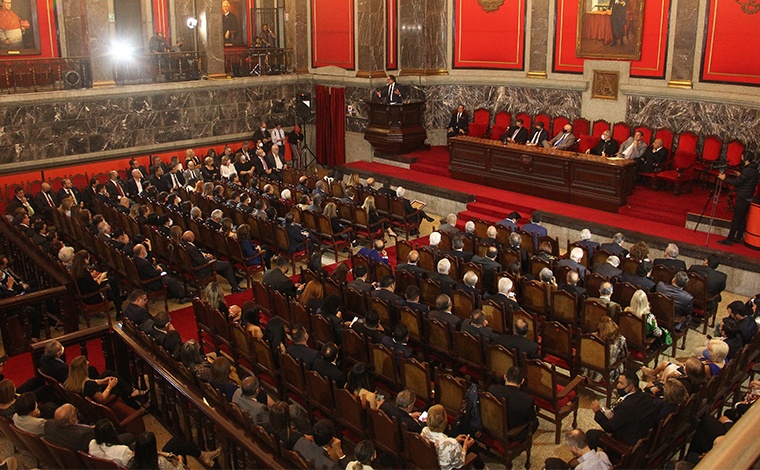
433 162
20 368
493 204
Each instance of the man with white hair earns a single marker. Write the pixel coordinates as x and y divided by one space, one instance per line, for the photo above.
157 276
515 240
615 246
442 275
574 261
490 266
450 226
605 297
491 237
671 253
434 240
415 218
469 281
214 222
505 297
586 242
609 268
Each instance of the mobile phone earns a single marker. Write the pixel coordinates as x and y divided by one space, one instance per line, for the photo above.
353 321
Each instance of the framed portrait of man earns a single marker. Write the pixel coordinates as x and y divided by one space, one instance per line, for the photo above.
19 33
610 29
232 23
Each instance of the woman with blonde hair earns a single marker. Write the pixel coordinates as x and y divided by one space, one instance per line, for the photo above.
717 360
451 451
66 204
209 171
312 295
374 218
608 332
227 169
640 307
208 190
100 389
674 396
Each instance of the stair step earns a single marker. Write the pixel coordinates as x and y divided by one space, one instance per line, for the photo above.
431 169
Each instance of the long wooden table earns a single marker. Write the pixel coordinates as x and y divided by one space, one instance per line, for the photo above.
586 180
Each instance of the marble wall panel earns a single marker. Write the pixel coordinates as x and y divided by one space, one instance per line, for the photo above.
539 32
422 35
435 28
685 39
726 121
301 37
370 19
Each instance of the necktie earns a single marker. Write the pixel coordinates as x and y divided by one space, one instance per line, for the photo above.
515 133
175 183
121 190
278 162
560 140
459 116
390 91
264 162
71 194
29 209
629 151
49 199
535 137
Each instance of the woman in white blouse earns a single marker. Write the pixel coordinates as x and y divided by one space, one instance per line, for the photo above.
106 444
451 451
227 169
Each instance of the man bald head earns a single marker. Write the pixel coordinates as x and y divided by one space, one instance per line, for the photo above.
65 415
188 236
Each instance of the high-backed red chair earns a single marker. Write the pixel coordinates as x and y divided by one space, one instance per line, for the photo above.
667 139
734 152
646 134
479 125
559 124
545 119
586 142
527 121
682 172
710 154
581 126
621 131
599 127
502 121
687 143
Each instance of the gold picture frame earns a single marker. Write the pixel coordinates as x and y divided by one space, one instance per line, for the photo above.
605 85
610 29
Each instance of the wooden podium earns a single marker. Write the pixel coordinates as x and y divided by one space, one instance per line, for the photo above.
394 129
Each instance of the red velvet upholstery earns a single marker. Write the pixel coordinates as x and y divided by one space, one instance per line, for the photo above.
527 122
687 142
682 172
734 153
559 124
646 134
621 131
479 125
548 406
667 139
502 121
599 127
587 142
711 149
545 119
581 127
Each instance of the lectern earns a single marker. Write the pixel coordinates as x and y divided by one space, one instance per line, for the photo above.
394 129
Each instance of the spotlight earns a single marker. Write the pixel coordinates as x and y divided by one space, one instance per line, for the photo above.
192 23
122 50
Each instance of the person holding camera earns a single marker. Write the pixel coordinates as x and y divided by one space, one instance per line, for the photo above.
744 185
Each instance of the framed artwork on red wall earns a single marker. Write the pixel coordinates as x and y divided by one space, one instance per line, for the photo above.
19 30
232 23
610 29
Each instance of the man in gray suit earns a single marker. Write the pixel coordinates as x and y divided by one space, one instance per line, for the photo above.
562 141
634 147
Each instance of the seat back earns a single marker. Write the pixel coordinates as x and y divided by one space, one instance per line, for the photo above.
420 452
667 139
540 381
351 412
687 143
384 363
593 283
468 350
438 335
292 374
463 303
413 321
385 431
564 307
383 310
96 463
711 148
634 329
621 131
581 126
531 320
494 414
494 313
499 360
427 260
527 122
593 353
320 390
557 340
592 312
429 291
354 301
416 376
354 346
65 457
734 152
646 134
533 297
543 118
450 391
662 273
559 124
35 445
599 127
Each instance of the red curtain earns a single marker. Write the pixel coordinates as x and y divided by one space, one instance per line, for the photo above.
331 125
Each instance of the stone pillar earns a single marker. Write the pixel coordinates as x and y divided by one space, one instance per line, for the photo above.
435 28
539 34
422 37
96 35
297 34
74 29
210 40
370 38
684 44
182 10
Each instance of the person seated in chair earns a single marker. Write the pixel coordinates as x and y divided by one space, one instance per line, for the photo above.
652 158
562 141
521 407
684 301
519 340
517 134
459 122
606 147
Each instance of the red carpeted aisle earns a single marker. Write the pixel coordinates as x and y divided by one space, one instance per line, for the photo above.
433 162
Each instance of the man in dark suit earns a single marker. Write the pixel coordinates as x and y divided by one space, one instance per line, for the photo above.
300 239
443 313
468 284
653 156
174 179
477 326
510 221
571 285
518 341
402 408
684 302
630 418
535 229
157 179
490 267
46 201
716 280
538 136
65 431
19 200
397 342
606 147
442 275
609 269
521 407
158 327
386 292
315 450
574 261
517 134
198 258
744 320
640 279
360 280
411 264
458 251
52 363
116 188
744 186
615 246
412 295
505 297
392 92
671 253
325 366
300 350
515 244
277 280
135 310
459 122
586 242
69 190
147 270
370 327
264 137
137 184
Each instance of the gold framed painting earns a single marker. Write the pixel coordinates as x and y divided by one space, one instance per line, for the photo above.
605 85
19 32
610 29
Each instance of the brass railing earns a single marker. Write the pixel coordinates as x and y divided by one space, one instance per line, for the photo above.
158 67
33 75
254 62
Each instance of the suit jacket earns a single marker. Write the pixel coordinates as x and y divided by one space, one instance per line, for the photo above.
450 229
412 268
394 300
490 268
607 270
684 301
277 280
330 371
62 194
537 231
575 265
521 407
418 307
510 305
519 343
463 123
393 98
677 264
564 143
159 182
303 353
296 237
258 412
543 135
192 176
41 203
463 256
393 411
483 332
132 187
643 283
637 151
198 259
651 158
609 147
376 336
75 437
146 270
307 449
518 135
747 328
578 291
632 420
55 368
716 280
168 179
136 314
259 135
361 285
447 283
445 317
113 188
615 249
509 223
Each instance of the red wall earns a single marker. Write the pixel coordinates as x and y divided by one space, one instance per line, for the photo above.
391 35
654 41
332 33
731 44
489 40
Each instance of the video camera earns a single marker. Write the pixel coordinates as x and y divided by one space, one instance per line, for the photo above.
719 166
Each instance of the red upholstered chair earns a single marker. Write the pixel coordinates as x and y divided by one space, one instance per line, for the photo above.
710 154
545 119
621 131
479 125
559 124
581 127
502 121
599 127
682 172
667 139
646 133
687 142
586 142
527 121
734 153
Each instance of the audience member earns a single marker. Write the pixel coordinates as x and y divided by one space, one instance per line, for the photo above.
519 340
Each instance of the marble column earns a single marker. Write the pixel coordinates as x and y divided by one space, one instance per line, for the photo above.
370 38
74 28
435 28
539 34
183 10
685 40
422 37
297 34
98 35
210 35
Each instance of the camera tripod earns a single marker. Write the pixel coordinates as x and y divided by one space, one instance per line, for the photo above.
714 196
303 159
